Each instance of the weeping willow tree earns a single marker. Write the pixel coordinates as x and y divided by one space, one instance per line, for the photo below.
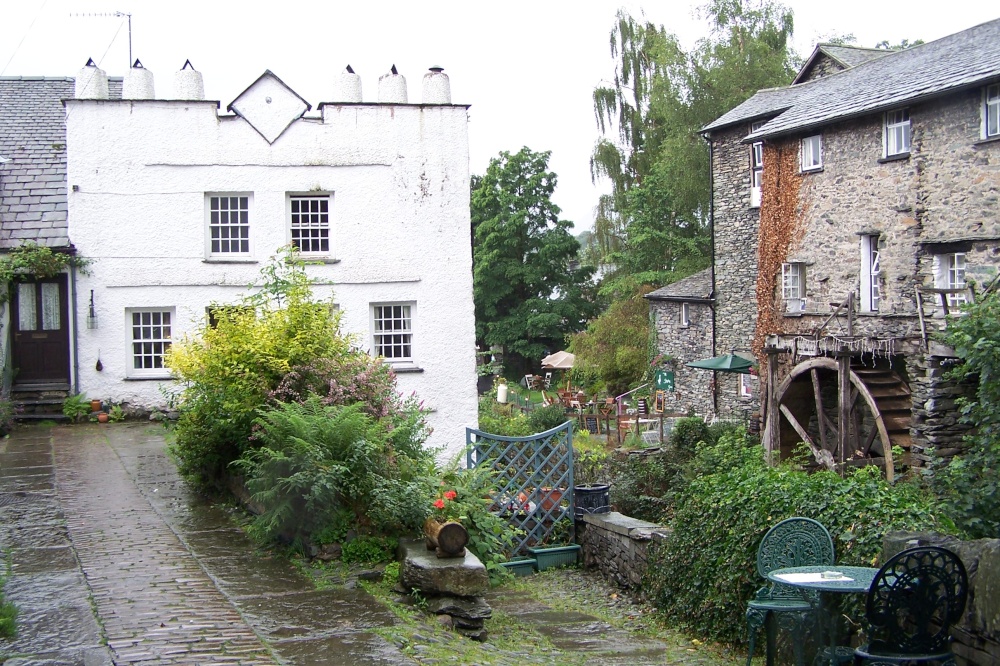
653 226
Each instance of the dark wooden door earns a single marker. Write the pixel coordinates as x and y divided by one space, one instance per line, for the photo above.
41 331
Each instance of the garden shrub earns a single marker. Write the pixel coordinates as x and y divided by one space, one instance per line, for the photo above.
703 575
503 420
643 486
689 432
315 461
369 550
967 486
546 418
230 370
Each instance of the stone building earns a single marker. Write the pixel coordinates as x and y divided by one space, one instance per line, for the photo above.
851 211
178 206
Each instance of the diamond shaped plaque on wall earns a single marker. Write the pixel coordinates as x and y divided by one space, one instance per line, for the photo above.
269 106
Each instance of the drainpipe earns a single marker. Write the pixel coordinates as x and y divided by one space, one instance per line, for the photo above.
76 333
711 232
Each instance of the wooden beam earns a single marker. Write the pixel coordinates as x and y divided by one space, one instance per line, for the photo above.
843 405
820 416
822 456
772 430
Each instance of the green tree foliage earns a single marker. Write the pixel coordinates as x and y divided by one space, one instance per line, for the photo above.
903 44
653 227
616 343
969 486
704 574
528 294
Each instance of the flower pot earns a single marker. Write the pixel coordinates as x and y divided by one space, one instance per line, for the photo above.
550 498
102 417
95 405
520 567
592 498
560 556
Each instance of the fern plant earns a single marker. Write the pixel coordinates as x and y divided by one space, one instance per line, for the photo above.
76 407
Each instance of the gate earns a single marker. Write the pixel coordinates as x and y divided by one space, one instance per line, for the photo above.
534 482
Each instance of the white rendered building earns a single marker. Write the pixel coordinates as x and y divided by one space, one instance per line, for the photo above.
178 206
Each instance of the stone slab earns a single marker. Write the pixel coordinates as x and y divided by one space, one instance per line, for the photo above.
422 570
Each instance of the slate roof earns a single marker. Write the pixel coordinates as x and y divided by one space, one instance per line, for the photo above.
33 201
845 56
697 287
964 59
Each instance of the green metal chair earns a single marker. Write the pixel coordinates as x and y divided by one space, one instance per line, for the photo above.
912 603
793 542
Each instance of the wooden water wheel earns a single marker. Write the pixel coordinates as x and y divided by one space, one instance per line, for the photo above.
876 409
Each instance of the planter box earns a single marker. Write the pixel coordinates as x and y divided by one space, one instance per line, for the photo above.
555 557
594 498
520 567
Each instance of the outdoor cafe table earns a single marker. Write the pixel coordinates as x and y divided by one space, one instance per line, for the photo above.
853 580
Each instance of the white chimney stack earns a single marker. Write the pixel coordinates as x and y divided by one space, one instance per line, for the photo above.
347 87
392 88
437 87
138 83
91 82
188 83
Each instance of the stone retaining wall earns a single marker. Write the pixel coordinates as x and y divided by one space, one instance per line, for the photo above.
977 636
617 546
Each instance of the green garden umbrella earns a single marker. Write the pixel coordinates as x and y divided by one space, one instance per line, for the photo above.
727 363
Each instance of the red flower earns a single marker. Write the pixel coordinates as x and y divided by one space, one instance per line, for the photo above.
451 494
439 504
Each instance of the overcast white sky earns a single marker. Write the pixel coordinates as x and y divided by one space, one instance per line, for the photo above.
527 68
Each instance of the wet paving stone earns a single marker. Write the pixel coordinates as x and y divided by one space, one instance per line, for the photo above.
362 649
26 483
40 458
26 561
53 611
315 612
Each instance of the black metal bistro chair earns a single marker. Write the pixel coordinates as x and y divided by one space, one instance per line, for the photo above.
912 603
793 542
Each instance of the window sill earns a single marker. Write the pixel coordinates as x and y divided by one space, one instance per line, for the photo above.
150 378
219 260
901 157
405 369
792 314
988 140
317 260
818 169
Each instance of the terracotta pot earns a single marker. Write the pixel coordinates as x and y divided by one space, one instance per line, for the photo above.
102 417
95 405
550 498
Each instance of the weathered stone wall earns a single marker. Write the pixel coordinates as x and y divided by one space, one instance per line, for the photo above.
824 65
693 387
618 546
935 426
977 635
736 235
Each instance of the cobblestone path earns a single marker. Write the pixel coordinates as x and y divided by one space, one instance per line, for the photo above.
115 561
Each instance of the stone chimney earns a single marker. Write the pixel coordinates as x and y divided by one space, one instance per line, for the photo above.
91 82
347 87
437 87
138 83
392 88
188 83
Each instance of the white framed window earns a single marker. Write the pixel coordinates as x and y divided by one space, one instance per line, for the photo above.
756 168
897 132
991 111
793 287
685 314
392 331
150 335
871 293
228 224
746 385
949 272
309 223
812 153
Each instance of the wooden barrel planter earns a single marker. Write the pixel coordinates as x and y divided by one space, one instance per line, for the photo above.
447 538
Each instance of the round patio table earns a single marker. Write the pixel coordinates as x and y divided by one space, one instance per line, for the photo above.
852 580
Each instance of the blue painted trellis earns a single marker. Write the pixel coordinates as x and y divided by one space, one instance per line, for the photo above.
534 481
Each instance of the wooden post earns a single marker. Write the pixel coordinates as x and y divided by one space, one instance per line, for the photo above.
772 417
843 403
448 538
